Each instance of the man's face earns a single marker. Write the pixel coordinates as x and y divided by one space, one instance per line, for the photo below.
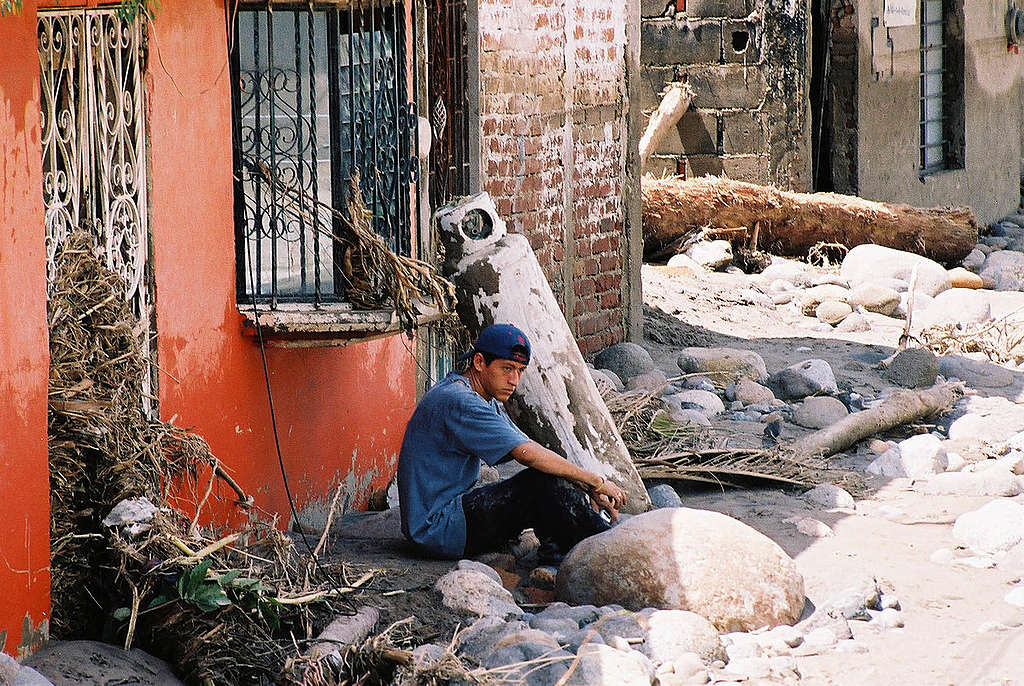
499 378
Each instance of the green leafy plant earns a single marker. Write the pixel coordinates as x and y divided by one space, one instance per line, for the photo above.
197 588
128 10
10 7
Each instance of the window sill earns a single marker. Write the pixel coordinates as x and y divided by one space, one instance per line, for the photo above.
301 325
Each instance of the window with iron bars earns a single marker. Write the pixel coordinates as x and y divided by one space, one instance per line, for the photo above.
942 86
319 96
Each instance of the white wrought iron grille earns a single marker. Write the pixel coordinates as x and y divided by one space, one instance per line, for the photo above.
94 146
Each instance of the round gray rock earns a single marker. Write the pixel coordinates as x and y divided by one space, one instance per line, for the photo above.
913 368
685 559
819 411
722 365
648 382
73 663
1006 268
626 360
752 393
663 495
803 379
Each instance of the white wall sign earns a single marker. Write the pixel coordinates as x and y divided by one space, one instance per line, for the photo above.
900 12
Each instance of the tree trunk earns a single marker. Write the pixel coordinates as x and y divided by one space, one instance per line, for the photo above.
786 223
902 407
671 108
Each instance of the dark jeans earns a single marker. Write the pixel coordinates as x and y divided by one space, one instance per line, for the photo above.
559 513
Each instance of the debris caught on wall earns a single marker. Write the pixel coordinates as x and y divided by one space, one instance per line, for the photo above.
376 276
222 607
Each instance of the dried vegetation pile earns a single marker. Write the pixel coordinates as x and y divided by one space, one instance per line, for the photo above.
226 609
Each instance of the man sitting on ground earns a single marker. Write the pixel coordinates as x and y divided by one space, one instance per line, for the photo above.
461 421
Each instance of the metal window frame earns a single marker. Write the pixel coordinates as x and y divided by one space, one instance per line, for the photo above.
350 37
927 138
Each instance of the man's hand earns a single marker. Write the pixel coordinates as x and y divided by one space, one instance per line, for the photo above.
603 502
607 496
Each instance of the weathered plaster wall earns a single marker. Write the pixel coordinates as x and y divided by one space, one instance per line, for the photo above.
554 144
24 354
340 411
888 118
747 62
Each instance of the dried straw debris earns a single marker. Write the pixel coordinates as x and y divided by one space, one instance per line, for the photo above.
999 339
222 607
665 450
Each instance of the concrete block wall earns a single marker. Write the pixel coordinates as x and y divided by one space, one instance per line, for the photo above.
748 118
554 140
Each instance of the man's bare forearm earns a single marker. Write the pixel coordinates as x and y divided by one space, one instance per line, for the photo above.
533 454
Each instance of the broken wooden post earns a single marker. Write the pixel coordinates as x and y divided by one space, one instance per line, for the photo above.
788 223
498 280
675 102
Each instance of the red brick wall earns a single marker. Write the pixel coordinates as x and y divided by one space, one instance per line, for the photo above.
553 147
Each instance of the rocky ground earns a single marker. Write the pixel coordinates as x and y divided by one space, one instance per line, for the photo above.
917 580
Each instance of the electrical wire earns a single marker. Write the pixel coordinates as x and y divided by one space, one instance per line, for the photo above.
335 586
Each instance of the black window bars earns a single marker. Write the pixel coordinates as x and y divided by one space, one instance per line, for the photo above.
318 95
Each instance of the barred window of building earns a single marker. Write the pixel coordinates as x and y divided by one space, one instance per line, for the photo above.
942 86
320 96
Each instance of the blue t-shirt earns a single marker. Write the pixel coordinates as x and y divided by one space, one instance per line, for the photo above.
452 429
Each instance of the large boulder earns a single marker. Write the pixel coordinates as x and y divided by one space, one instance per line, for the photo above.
723 365
66 663
1006 268
685 559
995 527
869 262
805 378
955 306
626 360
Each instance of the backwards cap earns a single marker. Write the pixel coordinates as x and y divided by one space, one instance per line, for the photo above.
501 340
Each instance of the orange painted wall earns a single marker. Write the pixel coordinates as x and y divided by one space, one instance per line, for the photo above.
340 411
24 354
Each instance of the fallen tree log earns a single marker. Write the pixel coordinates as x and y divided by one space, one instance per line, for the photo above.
902 407
786 223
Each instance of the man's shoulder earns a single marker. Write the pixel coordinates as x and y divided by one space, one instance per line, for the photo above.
453 390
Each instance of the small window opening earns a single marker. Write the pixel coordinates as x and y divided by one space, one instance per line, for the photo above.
740 40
